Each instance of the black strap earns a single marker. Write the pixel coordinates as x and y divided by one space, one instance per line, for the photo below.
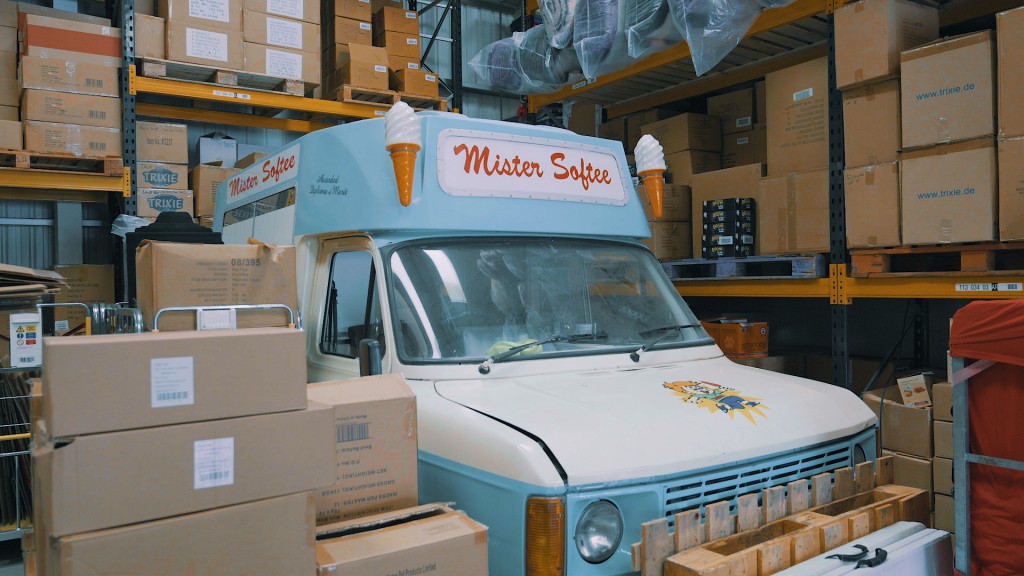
850 557
880 556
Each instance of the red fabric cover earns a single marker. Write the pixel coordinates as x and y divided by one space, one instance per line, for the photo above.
995 331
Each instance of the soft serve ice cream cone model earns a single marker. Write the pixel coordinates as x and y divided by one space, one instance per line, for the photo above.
650 167
402 139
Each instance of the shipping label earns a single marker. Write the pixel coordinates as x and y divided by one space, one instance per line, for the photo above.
284 33
172 382
26 340
210 10
205 44
289 8
284 64
214 463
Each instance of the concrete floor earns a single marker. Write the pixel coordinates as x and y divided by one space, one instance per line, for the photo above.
10 558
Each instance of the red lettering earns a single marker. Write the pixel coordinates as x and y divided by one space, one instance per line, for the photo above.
278 169
477 159
586 174
240 185
556 159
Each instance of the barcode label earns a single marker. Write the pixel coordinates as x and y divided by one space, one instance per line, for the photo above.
172 382
430 78
412 41
94 82
410 15
229 94
379 68
742 122
803 94
353 432
413 66
213 463
102 146
365 26
741 141
98 114
26 360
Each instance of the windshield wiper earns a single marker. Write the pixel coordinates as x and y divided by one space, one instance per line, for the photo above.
485 366
665 331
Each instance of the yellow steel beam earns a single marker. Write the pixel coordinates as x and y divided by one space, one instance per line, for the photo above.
956 287
51 180
957 12
753 288
232 118
738 75
766 21
532 6
51 195
242 96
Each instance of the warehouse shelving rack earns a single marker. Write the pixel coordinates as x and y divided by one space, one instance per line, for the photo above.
780 38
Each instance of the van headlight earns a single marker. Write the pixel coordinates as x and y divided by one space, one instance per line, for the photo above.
598 531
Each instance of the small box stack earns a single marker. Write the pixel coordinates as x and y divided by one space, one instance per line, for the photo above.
162 169
70 100
347 23
868 73
10 127
737 182
1010 59
206 33
729 227
671 234
692 144
282 39
744 136
398 30
162 460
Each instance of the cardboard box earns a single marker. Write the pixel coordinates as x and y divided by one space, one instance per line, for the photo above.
354 9
163 378
761 102
8 65
161 142
67 108
911 471
734 109
10 135
305 10
903 428
264 537
741 181
150 32
161 175
207 46
419 82
584 118
40 10
9 39
9 92
943 438
1010 61
686 132
207 14
260 28
72 139
634 123
949 90
1011 189
63 39
9 13
248 160
9 112
792 364
170 274
914 389
739 338
391 19
683 165
738 149
203 180
63 76
282 62
944 519
670 240
396 63
107 480
349 31
942 401
376 5
871 124
873 206
871 34
417 540
948 193
217 147
792 213
398 43
376 443
942 475
797 101
363 66
676 203
613 130
87 284
153 202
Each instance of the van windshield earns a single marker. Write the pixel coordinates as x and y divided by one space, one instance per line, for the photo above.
465 300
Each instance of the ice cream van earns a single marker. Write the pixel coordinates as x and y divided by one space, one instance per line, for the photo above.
566 394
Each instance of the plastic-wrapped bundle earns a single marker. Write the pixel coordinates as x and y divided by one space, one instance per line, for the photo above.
649 28
497 64
713 28
558 15
598 37
526 64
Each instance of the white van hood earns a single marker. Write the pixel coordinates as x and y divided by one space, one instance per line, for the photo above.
624 424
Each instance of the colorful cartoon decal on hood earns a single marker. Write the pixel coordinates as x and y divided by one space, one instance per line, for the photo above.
717 397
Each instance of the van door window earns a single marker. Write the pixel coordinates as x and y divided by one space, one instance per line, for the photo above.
352 310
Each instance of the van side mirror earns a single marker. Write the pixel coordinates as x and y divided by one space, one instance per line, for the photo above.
369 357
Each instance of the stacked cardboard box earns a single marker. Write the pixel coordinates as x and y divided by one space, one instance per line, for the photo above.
670 234
157 460
10 129
729 227
692 144
395 26
348 24
948 164
1010 42
206 33
69 81
162 168
282 39
744 135
737 182
738 337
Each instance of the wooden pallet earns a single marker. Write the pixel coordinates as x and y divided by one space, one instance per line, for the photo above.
171 70
948 260
763 267
52 162
421 102
359 95
790 525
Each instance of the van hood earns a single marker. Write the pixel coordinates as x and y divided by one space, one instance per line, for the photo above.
618 425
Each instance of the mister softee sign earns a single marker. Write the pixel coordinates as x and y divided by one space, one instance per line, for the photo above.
274 169
474 163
